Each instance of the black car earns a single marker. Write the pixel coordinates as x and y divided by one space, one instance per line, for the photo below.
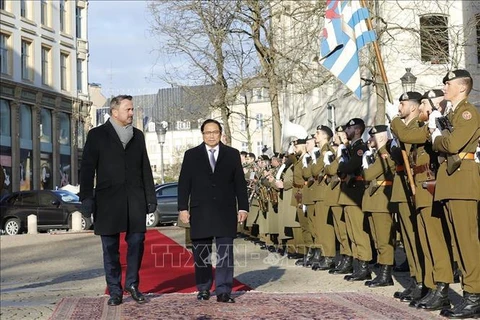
167 211
53 209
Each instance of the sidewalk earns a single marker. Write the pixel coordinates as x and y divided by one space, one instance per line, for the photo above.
38 270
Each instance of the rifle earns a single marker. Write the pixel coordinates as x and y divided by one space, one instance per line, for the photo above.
453 160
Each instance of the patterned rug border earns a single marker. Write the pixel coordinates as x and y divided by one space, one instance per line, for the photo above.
365 306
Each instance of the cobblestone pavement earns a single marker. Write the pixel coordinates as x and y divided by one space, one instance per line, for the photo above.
38 270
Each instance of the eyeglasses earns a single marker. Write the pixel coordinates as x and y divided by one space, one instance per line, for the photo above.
208 133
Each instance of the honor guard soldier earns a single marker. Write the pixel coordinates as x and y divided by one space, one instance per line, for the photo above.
332 194
322 224
434 238
458 186
408 112
352 188
298 184
378 172
310 159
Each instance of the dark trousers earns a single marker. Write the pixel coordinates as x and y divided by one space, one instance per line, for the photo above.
202 252
111 261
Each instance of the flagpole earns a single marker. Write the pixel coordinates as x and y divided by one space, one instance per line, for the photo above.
390 99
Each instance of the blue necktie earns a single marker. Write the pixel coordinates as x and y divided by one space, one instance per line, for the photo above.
212 159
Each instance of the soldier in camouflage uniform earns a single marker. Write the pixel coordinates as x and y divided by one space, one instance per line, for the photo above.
378 172
458 186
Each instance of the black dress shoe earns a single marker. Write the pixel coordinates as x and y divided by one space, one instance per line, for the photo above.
469 307
203 295
114 301
225 297
136 294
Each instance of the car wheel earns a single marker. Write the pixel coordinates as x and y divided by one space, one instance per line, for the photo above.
12 226
152 219
86 223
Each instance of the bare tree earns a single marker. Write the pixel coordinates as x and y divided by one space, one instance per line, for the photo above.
198 30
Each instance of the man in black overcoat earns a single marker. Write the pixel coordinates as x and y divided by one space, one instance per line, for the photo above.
212 196
116 156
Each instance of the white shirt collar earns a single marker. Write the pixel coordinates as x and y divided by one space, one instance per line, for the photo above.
216 148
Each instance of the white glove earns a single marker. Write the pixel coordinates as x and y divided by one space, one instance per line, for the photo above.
305 160
391 110
291 149
326 157
340 149
394 144
435 134
341 159
431 119
365 164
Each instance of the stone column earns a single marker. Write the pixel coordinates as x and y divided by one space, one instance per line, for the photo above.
74 148
56 143
36 120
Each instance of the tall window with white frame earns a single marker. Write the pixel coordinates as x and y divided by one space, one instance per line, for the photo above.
3 4
45 65
24 8
26 60
79 75
63 16
259 120
78 23
64 71
44 12
4 54
434 39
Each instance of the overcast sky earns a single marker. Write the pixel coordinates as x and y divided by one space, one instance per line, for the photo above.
121 57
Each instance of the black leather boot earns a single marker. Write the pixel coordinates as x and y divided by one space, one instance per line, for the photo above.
408 290
338 265
346 267
326 264
309 257
417 293
317 258
439 299
361 273
468 308
425 299
383 279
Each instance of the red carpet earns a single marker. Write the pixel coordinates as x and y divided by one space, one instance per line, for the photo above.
166 266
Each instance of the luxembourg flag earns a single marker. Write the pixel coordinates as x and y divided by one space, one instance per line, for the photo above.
344 34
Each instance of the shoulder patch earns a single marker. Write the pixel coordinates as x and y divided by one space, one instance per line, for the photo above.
466 115
360 153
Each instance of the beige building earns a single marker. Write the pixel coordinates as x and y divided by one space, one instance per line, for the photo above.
44 96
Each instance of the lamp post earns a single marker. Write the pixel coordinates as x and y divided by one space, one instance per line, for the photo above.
161 130
408 81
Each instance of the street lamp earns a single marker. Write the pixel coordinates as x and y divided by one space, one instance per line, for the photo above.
408 80
161 130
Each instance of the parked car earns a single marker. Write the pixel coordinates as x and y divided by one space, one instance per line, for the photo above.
53 209
167 211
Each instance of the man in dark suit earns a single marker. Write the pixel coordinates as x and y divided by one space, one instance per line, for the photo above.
115 152
212 196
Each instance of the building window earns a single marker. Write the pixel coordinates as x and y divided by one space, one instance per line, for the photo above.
259 118
24 8
4 54
259 147
434 39
27 60
5 130
46 65
244 146
183 125
45 126
44 13
80 75
79 22
63 16
2 4
64 71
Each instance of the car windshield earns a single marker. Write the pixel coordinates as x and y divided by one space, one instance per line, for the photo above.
67 196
